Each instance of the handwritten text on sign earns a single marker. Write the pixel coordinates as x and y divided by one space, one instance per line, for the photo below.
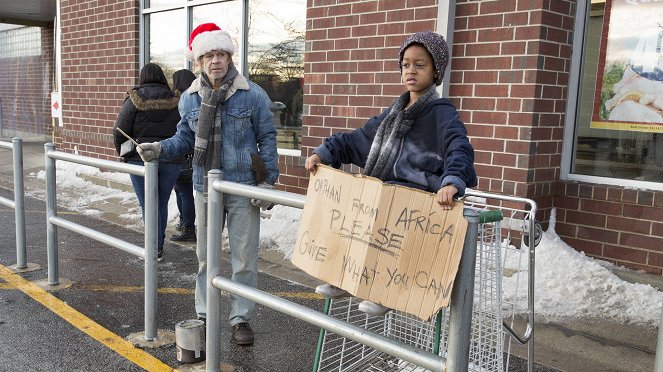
390 244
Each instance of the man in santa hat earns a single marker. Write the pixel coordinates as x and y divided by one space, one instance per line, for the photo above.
227 123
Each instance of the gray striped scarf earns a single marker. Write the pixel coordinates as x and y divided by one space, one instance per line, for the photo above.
207 151
386 143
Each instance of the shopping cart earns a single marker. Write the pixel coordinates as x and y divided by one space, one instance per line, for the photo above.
493 315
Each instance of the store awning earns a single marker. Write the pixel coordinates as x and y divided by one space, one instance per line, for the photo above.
28 12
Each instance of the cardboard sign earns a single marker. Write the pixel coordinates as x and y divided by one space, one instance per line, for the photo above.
386 243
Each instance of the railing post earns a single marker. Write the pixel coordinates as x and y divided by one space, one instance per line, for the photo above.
51 211
530 290
658 361
19 206
214 215
151 241
462 299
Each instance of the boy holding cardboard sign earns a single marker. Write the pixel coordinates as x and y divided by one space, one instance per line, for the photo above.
418 142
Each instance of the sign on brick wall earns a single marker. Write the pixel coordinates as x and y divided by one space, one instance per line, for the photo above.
56 107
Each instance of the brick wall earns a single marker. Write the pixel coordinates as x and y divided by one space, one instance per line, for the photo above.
99 65
509 75
509 71
351 67
623 226
26 78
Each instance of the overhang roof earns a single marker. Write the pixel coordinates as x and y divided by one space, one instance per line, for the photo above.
28 12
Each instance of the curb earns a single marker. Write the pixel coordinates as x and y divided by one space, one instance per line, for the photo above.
105 182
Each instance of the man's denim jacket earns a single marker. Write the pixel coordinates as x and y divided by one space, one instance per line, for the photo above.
247 129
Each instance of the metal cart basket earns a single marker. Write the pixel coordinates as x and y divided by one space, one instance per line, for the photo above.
493 314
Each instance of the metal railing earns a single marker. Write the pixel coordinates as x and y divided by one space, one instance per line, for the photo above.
460 304
19 199
148 252
529 227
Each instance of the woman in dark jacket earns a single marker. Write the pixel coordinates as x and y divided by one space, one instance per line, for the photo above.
182 80
150 114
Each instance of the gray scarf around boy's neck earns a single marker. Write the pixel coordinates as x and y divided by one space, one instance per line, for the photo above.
386 143
207 148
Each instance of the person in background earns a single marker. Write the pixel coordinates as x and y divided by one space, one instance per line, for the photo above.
419 141
149 114
182 79
227 123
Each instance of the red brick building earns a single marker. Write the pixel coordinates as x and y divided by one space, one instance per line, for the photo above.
532 80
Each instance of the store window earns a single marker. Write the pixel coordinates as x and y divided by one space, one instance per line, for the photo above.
269 41
164 27
19 41
618 126
276 62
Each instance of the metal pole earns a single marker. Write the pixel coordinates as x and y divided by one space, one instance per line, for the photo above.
462 298
51 211
530 290
151 239
19 206
658 364
214 215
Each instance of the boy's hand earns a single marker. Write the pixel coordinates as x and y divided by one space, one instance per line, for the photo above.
312 162
445 196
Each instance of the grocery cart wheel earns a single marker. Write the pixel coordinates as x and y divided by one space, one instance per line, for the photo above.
538 232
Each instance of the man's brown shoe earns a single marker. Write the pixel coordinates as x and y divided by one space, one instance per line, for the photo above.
242 334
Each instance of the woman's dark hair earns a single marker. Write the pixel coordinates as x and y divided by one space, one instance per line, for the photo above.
152 73
182 80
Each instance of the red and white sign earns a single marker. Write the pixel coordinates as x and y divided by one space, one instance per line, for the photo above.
56 105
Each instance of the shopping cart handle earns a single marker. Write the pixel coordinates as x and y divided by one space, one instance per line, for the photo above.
490 216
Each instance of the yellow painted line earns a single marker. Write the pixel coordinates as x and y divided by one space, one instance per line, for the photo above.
67 213
304 295
83 323
6 286
185 291
131 289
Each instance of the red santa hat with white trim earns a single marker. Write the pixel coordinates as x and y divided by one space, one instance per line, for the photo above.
208 37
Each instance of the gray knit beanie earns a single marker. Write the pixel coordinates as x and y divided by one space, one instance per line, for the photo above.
436 47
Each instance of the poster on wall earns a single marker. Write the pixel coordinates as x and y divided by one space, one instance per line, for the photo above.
629 84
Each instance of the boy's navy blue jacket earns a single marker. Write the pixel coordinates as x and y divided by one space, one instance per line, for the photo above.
436 152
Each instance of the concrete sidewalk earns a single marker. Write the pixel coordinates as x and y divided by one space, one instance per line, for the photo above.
569 345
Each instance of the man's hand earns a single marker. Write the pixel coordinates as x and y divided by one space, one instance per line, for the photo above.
149 151
263 204
445 196
312 162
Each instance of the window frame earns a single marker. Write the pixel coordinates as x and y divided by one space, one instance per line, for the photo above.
581 23
188 5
